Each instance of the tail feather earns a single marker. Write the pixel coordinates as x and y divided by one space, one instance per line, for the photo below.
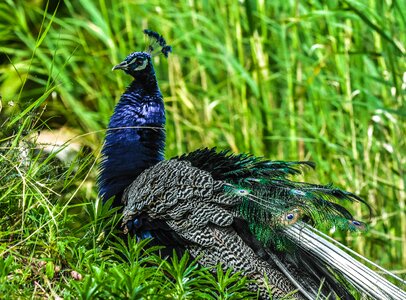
360 276
276 204
310 291
313 276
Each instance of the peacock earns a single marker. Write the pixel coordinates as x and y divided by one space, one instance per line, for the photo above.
237 210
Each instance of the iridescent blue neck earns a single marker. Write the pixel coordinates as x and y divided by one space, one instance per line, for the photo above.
135 138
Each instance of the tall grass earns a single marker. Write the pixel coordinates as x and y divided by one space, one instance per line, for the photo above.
288 80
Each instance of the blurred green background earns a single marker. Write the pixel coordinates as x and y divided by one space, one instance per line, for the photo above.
288 80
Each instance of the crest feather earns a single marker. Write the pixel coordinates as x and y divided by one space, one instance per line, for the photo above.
157 43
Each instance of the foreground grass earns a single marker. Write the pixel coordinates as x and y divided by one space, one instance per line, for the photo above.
285 80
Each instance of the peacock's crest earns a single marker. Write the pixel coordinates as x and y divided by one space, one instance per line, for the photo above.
156 44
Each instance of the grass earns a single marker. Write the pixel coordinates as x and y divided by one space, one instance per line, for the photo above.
314 80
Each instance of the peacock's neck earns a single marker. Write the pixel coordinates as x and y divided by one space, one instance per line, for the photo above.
135 139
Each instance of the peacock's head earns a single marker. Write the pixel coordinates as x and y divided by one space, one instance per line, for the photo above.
134 63
139 62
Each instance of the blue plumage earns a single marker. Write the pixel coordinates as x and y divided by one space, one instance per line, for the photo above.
136 133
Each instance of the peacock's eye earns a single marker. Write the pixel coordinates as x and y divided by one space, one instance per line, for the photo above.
139 61
291 217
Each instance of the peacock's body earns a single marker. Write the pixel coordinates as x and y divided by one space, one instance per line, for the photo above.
222 208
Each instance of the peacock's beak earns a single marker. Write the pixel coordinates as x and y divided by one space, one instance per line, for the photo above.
121 66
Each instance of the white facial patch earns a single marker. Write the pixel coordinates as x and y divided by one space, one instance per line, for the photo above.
142 67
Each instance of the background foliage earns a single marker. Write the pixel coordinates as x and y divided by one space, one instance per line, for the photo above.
293 80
